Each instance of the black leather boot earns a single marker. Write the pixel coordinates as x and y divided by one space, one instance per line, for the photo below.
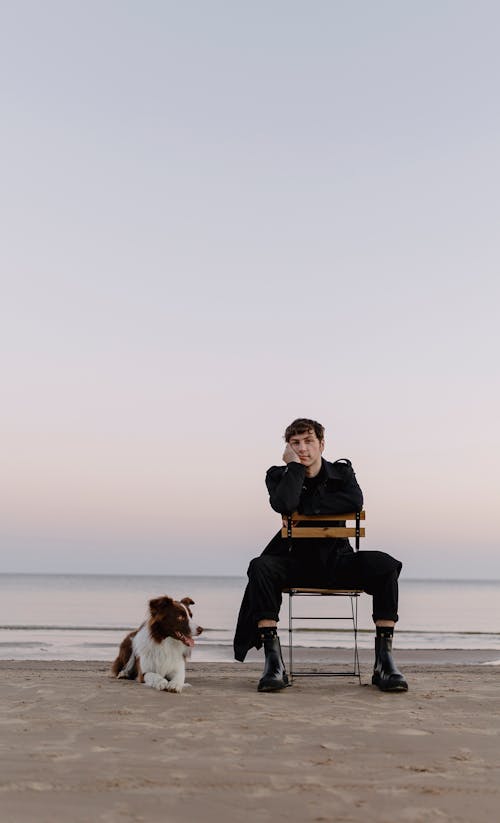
274 676
386 674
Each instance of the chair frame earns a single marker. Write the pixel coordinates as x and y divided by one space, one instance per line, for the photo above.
299 525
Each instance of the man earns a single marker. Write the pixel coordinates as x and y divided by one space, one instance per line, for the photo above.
311 485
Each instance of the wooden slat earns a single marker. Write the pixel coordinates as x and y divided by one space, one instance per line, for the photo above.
326 517
322 531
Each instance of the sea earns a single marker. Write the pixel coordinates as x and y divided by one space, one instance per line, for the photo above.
84 617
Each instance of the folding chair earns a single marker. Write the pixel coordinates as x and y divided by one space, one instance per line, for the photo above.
321 525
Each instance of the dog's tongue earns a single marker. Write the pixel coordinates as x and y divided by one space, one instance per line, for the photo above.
189 641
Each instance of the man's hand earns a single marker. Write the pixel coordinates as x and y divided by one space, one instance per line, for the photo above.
289 455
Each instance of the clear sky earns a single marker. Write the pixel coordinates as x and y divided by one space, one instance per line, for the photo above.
218 216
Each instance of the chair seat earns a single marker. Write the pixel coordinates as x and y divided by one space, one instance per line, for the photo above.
332 592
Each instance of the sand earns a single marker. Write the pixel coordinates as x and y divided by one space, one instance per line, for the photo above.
77 745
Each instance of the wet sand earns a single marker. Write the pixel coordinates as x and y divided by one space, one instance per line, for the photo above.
77 745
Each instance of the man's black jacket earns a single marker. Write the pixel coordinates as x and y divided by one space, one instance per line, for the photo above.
337 492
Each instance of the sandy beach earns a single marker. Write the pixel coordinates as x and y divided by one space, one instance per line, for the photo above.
77 745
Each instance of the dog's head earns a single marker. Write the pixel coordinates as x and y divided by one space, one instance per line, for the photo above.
173 618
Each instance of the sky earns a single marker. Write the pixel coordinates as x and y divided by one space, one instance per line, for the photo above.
217 217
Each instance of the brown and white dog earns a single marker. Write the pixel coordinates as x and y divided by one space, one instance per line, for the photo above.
155 653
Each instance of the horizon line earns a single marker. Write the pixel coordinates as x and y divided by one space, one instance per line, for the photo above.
227 576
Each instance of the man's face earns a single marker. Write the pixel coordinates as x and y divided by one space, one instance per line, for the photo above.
307 447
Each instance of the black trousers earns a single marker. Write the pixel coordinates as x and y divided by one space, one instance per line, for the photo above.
373 571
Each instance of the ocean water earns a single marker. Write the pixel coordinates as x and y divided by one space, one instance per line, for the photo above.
84 617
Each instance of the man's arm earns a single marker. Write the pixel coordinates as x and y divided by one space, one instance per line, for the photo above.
284 484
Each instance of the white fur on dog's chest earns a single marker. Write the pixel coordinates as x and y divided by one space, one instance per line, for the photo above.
166 658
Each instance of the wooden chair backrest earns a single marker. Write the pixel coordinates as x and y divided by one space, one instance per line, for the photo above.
323 525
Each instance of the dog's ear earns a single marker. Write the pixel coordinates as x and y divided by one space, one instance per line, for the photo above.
187 601
159 604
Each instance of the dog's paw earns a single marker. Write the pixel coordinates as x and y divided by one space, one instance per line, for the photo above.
155 681
174 686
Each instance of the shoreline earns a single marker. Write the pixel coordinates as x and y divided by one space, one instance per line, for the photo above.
321 655
80 745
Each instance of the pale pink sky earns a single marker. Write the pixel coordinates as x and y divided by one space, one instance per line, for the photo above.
219 217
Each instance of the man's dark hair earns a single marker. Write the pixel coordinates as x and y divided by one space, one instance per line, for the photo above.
302 425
